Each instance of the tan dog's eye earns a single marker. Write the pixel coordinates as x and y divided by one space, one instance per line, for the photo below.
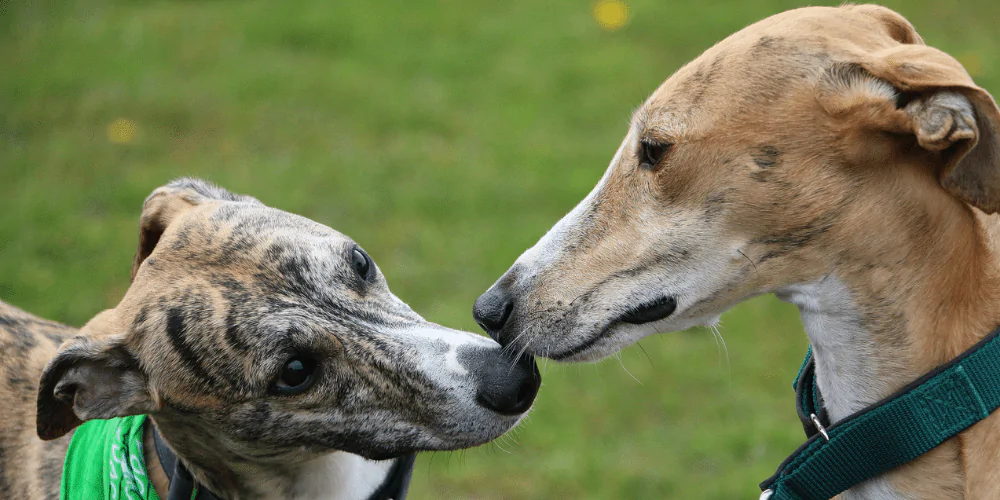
651 153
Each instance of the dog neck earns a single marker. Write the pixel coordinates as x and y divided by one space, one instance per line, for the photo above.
876 326
334 476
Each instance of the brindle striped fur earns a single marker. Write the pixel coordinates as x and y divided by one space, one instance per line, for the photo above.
225 290
27 468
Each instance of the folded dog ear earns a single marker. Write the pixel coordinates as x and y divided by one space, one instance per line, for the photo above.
949 114
89 379
161 208
922 92
167 204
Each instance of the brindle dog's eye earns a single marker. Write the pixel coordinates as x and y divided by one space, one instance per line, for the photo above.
296 376
362 264
651 153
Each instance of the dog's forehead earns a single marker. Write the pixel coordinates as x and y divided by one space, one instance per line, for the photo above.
250 278
235 223
753 70
248 239
242 215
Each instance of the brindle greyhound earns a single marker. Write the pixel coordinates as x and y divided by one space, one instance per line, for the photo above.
825 155
269 353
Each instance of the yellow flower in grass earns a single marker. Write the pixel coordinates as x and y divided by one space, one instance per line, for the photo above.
611 14
121 131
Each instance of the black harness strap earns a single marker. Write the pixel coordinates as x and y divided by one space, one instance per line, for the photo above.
183 485
398 481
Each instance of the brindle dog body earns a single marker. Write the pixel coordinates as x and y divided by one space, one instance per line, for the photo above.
826 155
227 293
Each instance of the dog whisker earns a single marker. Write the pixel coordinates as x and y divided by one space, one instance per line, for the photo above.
722 348
517 359
511 346
521 352
644 353
509 441
622 363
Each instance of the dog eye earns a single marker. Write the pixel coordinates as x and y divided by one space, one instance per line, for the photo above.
362 264
650 153
296 376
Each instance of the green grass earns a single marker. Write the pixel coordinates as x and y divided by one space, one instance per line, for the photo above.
445 137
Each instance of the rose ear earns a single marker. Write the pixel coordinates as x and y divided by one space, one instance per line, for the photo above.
921 92
892 23
949 114
89 379
167 204
161 208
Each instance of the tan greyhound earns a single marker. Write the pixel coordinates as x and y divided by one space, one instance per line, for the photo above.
826 155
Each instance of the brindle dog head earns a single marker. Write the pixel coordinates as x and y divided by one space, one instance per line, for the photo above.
803 142
252 335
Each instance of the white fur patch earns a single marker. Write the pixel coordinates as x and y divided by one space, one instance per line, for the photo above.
844 353
438 350
452 364
341 476
844 350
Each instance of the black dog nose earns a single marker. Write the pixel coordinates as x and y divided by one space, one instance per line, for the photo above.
503 385
492 310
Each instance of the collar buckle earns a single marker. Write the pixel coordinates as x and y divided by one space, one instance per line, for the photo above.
819 426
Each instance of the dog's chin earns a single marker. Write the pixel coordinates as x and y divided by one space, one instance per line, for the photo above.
390 452
388 455
484 427
489 427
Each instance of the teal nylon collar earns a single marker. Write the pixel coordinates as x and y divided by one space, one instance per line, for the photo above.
894 431
808 400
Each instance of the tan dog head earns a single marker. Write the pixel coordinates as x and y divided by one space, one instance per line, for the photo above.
254 335
800 144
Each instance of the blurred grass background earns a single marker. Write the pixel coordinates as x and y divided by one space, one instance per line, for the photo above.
445 137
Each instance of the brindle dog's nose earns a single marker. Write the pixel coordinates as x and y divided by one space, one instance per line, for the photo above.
503 384
492 310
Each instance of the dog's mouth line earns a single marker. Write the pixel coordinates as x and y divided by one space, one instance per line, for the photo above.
587 344
648 312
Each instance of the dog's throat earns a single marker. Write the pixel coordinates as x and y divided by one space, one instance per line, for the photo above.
847 372
157 475
181 484
336 476
354 478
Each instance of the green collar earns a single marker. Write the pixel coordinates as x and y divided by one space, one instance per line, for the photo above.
894 431
105 462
